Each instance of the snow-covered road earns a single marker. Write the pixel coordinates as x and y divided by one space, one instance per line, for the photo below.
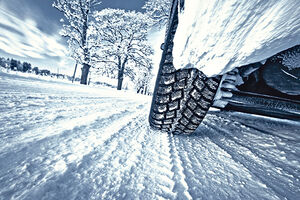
63 141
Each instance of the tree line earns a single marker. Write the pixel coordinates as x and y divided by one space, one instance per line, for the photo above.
112 41
17 65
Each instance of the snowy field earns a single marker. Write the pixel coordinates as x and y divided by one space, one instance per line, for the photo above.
63 141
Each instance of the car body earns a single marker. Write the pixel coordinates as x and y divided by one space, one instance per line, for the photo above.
229 65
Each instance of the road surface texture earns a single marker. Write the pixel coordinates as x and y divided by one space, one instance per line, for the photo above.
63 141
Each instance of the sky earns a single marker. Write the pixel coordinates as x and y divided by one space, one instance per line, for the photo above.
29 31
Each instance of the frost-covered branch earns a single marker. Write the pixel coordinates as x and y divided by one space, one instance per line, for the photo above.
77 29
158 10
123 38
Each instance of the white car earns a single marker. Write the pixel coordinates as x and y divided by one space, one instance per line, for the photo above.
236 55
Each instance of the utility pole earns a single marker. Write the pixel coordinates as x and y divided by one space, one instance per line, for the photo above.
74 71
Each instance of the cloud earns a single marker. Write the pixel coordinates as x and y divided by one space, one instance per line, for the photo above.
23 38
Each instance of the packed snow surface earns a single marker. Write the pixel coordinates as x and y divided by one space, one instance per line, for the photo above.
217 36
64 141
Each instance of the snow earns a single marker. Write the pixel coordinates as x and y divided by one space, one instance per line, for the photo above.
217 36
291 60
64 141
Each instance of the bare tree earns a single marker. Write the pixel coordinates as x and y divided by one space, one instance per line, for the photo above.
158 11
76 29
124 49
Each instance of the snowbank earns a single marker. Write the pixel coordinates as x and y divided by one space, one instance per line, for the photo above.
217 36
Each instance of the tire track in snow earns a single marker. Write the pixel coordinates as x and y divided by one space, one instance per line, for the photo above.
119 168
265 149
39 170
193 168
220 176
188 167
153 172
209 172
52 128
281 152
280 131
199 177
42 114
101 170
118 165
286 145
181 187
25 121
47 163
136 181
259 168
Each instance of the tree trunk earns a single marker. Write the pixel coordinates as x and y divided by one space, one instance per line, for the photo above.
120 79
121 72
139 90
84 74
86 66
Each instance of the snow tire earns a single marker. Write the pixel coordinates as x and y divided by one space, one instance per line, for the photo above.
182 97
181 100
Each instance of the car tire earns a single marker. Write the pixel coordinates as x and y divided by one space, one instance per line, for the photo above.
182 97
